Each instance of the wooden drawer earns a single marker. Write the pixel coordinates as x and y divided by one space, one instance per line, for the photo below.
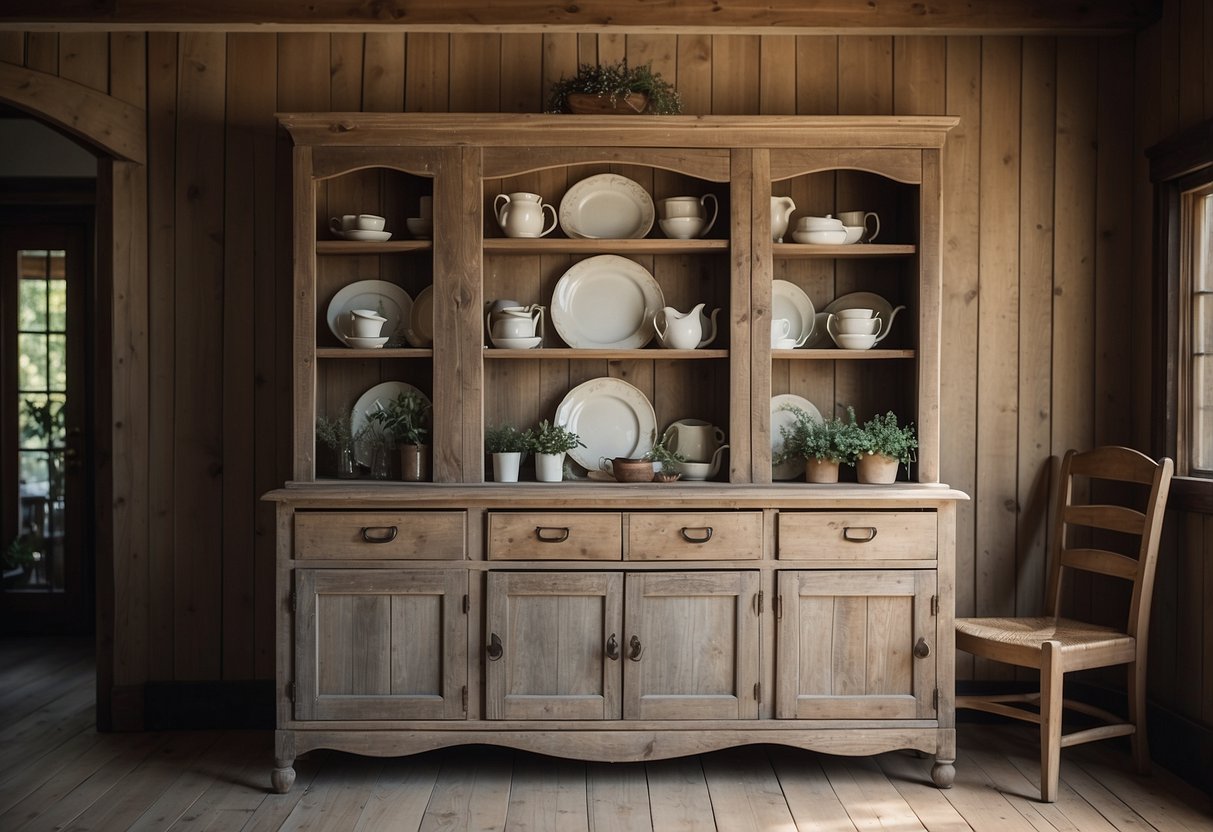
546 535
854 535
695 536
381 535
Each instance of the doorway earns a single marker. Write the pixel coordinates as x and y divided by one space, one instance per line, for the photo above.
46 281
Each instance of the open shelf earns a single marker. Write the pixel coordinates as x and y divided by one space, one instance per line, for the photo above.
839 355
568 353
354 247
859 250
378 352
559 245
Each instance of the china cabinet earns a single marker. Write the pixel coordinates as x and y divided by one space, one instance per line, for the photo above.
592 618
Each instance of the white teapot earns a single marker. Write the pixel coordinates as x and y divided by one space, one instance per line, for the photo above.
684 330
521 214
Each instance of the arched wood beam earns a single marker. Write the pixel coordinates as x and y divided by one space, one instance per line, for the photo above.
112 126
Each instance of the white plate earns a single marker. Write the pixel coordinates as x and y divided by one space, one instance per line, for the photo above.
607 207
611 417
606 302
377 398
863 300
789 301
367 236
388 299
420 328
793 468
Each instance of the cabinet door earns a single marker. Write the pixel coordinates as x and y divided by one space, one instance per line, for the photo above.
692 649
552 645
856 645
380 644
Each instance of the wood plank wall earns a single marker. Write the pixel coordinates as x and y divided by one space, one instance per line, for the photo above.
1046 258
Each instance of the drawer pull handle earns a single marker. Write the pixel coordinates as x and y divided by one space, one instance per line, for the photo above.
612 648
859 534
495 650
637 649
703 538
545 534
922 649
388 534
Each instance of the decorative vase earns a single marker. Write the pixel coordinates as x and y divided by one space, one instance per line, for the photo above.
414 463
876 469
505 466
588 104
549 467
820 470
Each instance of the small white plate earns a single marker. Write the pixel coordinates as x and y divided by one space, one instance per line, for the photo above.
377 398
606 302
789 301
367 236
517 343
611 417
420 331
780 417
607 207
388 299
365 343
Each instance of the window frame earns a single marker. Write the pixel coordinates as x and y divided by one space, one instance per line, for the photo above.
1178 166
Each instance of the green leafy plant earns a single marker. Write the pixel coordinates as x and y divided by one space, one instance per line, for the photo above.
507 439
22 551
404 419
335 433
614 82
824 439
882 435
554 439
660 453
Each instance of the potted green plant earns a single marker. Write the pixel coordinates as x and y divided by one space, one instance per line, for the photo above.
614 89
335 447
507 445
21 556
668 459
882 446
406 421
550 443
823 444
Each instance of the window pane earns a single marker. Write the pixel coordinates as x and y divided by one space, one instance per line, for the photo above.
31 362
57 302
1202 324
33 263
1202 416
32 305
56 356
1202 280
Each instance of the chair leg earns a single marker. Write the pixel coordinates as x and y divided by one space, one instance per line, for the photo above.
1051 677
1137 715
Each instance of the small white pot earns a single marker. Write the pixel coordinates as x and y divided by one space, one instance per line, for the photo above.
549 467
505 466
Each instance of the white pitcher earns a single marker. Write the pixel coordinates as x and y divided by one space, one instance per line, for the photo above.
695 439
679 330
781 211
521 214
516 322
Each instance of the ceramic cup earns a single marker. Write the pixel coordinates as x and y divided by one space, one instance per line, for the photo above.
682 228
784 344
854 342
856 313
781 328
420 227
858 326
366 323
343 223
862 218
369 222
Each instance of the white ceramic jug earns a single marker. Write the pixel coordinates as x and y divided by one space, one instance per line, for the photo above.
679 330
707 325
695 439
690 206
781 211
521 214
516 322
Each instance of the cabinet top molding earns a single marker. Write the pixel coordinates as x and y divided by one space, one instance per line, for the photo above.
541 130
674 16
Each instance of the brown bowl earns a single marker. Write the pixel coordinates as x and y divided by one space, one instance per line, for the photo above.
631 470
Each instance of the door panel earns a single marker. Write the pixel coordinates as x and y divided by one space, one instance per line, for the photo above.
692 649
547 640
846 645
378 644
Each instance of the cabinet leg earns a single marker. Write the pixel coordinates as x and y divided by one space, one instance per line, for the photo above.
943 773
283 776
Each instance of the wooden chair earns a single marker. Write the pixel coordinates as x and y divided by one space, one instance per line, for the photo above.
1057 645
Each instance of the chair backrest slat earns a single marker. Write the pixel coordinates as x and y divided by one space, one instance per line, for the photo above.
1101 561
1112 518
1114 463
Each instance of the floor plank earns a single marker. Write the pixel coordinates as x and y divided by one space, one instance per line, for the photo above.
472 792
678 796
912 779
745 791
547 795
872 802
618 798
401 794
335 802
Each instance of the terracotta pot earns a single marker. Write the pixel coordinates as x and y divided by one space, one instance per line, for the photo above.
876 469
586 104
414 463
820 470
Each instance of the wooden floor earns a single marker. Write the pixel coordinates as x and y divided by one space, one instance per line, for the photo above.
57 772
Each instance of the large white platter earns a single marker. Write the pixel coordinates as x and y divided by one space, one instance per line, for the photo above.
780 417
420 327
789 301
612 417
606 207
606 302
388 299
377 398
